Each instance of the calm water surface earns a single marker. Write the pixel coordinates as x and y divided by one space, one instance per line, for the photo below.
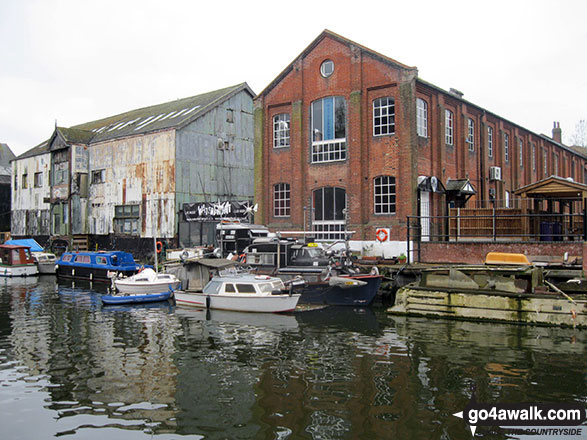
71 368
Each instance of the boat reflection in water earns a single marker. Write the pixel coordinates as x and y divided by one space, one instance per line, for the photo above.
79 369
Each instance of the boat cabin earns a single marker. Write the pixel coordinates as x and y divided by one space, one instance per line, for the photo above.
279 253
244 284
96 266
233 237
14 255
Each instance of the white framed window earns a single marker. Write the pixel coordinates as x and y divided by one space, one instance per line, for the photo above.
281 200
448 127
281 130
422 117
329 221
533 158
555 163
490 141
521 151
383 116
506 147
471 134
327 68
328 116
544 162
384 195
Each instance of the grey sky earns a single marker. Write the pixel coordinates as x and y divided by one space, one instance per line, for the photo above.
75 61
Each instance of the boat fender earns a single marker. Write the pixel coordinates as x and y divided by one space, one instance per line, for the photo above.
573 314
159 247
208 302
374 270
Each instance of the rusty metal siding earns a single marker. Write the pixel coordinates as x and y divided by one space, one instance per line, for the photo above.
30 211
137 171
215 156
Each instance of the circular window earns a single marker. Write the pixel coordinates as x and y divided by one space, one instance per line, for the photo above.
326 68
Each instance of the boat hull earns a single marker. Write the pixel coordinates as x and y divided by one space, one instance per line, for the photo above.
239 303
358 296
136 299
137 288
90 273
18 271
540 309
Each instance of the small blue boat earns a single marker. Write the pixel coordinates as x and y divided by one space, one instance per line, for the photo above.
96 266
137 298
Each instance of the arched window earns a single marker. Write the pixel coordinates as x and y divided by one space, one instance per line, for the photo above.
329 213
328 117
383 116
281 200
384 195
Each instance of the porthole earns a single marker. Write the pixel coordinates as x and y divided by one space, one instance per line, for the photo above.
327 68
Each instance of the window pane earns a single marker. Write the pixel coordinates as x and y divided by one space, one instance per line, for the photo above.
340 203
328 117
340 119
317 129
318 206
328 203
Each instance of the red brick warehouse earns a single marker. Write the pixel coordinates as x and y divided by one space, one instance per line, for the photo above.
349 139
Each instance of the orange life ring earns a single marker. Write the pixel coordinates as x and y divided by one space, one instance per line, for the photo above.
381 234
159 247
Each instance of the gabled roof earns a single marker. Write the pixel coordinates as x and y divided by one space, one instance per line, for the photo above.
6 155
553 186
461 186
175 114
326 33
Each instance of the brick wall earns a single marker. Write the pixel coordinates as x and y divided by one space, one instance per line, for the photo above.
474 253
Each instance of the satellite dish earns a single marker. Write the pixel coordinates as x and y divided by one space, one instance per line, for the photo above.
434 183
220 143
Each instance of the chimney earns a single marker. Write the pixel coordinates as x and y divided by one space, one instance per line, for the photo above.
557 133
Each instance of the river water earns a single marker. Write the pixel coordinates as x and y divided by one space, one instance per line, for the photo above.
71 368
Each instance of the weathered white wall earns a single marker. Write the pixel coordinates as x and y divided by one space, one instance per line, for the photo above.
30 213
138 170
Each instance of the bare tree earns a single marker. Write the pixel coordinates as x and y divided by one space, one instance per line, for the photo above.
579 137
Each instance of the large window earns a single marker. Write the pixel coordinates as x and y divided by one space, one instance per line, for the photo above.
127 219
422 117
383 116
490 141
281 130
281 200
471 134
533 158
506 147
521 148
384 195
328 130
329 213
448 127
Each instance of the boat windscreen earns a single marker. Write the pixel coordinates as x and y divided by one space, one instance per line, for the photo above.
212 287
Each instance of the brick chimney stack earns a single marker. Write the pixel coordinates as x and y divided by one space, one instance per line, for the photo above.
557 134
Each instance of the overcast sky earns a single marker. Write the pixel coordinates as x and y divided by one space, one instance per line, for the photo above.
76 61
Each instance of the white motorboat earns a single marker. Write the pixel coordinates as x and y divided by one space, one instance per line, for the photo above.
45 262
242 293
147 281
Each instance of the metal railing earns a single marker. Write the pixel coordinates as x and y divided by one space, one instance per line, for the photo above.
495 225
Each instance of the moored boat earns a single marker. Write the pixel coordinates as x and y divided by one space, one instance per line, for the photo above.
136 298
16 261
96 266
331 277
508 294
45 260
241 292
147 281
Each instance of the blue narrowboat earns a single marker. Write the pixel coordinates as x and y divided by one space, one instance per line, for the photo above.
96 266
